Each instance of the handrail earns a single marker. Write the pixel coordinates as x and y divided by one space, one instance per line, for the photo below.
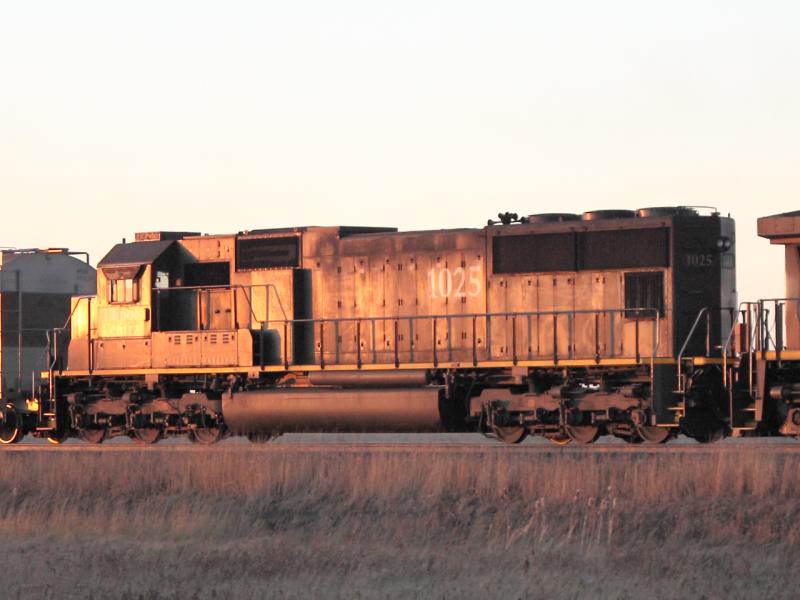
786 299
758 307
364 329
57 330
470 315
565 336
758 334
248 299
703 311
653 313
729 339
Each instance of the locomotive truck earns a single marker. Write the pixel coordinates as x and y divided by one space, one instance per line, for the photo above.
560 325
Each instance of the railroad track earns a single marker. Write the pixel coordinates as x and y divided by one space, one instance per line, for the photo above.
281 446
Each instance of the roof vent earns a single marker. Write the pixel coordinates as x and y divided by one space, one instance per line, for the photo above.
666 211
543 218
601 215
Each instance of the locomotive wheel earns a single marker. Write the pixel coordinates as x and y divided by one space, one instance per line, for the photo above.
206 435
582 434
653 435
709 435
93 436
560 439
11 429
58 437
261 438
510 435
146 435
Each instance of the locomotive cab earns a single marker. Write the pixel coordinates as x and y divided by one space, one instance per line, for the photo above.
161 305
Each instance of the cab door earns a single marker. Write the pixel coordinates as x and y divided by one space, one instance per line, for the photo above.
211 281
216 309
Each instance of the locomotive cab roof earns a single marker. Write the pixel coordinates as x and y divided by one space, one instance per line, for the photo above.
136 253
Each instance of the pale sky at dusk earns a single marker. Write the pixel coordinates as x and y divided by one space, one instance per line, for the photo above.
121 117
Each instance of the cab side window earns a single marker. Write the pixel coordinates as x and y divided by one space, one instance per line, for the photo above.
123 291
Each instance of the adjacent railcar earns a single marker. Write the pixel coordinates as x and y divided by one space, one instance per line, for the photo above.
763 374
559 325
36 286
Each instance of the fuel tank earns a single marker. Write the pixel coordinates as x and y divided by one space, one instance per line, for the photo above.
345 410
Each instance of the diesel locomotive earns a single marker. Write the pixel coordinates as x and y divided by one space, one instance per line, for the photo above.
560 325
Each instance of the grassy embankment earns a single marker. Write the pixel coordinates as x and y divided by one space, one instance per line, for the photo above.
247 523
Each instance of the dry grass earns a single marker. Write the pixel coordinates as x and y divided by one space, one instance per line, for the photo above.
240 522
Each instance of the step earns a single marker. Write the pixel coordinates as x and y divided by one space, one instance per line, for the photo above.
738 431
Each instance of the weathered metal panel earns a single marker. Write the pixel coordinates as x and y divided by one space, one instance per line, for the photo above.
389 282
119 353
352 336
556 330
176 349
385 302
325 297
219 348
420 330
211 247
587 328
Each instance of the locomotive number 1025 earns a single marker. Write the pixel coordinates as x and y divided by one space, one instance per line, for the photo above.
455 283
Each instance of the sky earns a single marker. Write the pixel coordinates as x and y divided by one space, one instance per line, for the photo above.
218 117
